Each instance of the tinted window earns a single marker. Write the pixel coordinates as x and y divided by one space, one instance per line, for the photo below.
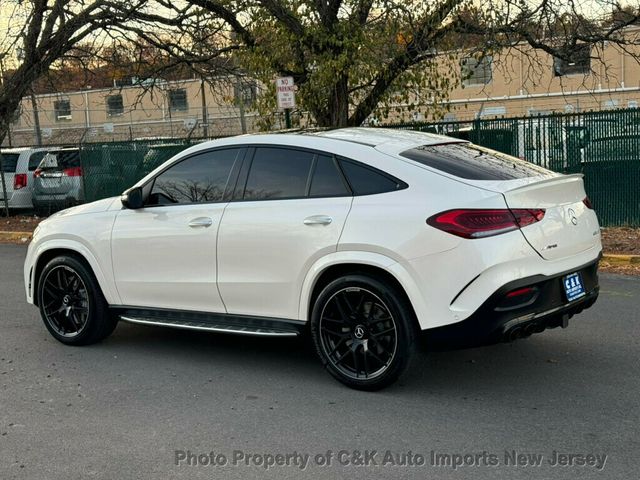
472 162
60 160
366 180
35 159
201 178
9 162
327 179
278 173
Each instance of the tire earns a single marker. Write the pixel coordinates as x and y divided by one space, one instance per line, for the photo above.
71 303
363 330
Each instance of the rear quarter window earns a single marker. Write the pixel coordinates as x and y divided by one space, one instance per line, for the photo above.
473 162
10 162
365 180
35 159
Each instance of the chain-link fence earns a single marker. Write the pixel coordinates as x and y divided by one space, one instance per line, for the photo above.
109 169
604 146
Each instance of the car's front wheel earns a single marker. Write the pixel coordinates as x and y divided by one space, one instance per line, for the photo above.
363 330
71 303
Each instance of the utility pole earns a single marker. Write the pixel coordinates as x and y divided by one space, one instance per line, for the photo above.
3 181
205 114
240 90
4 188
36 119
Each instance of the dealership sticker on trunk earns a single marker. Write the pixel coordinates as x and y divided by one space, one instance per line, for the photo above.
573 287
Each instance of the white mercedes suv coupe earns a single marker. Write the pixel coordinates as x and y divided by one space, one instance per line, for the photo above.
364 237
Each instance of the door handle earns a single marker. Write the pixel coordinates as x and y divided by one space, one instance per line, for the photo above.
318 220
201 222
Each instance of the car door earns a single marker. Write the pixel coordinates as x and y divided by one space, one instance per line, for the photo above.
288 212
164 254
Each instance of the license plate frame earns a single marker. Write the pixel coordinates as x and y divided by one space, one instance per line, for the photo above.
573 286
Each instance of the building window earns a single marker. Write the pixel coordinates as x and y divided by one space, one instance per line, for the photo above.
476 71
612 104
178 100
576 62
245 92
114 105
62 110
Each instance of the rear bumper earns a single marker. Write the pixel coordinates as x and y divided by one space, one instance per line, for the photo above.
549 308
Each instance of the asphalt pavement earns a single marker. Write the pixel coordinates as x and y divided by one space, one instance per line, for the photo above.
162 404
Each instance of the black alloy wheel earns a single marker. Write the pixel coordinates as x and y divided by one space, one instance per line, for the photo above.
358 333
363 330
71 302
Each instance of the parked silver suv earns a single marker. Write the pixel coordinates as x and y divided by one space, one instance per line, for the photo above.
18 165
58 181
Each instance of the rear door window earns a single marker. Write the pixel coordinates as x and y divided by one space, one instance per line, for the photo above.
10 162
472 162
278 173
365 180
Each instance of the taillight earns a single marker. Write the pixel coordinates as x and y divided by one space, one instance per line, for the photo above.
73 172
19 181
587 203
480 223
37 173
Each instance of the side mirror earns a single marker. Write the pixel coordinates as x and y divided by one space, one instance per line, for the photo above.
132 198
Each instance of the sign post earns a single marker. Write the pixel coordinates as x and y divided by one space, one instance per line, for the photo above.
286 92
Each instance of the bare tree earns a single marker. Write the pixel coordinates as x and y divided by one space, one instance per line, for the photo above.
39 33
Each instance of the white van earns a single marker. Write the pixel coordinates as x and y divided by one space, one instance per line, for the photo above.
18 165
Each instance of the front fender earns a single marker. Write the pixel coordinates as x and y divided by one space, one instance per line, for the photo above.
102 271
371 259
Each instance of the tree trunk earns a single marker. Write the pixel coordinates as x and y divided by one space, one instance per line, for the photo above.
340 102
336 113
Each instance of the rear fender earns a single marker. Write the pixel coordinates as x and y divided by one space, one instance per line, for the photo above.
363 258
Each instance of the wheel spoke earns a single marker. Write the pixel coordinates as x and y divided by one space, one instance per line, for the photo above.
375 355
384 332
341 309
65 301
341 357
51 290
336 347
365 360
384 350
354 354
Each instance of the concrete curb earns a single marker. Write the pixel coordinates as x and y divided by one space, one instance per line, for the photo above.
15 237
615 259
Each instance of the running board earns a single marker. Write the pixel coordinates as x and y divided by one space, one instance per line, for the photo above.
212 322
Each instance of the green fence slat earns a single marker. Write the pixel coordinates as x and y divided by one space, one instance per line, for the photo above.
603 145
111 168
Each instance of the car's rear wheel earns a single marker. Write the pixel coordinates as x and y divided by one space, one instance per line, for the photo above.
363 330
71 303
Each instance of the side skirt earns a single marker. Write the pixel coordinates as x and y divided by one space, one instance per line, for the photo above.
210 322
